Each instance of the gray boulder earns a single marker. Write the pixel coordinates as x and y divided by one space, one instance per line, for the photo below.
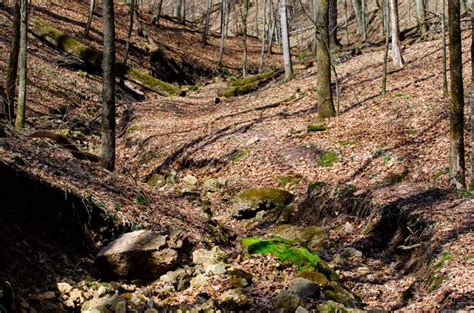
304 288
142 254
255 202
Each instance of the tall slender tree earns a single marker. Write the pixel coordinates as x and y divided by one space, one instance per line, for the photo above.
133 4
20 112
89 18
443 42
285 41
395 33
472 101
333 24
245 13
421 16
324 93
223 31
108 89
457 162
206 23
9 104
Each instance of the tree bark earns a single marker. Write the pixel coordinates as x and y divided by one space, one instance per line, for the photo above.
262 52
157 14
395 32
130 30
20 112
387 41
472 101
443 40
324 93
245 12
421 16
9 104
223 31
285 41
457 162
107 154
206 23
89 18
333 24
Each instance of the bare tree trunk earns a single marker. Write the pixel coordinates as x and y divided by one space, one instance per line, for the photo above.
421 16
314 15
457 162
395 32
286 41
108 98
324 93
9 105
333 24
443 40
157 14
385 9
89 18
262 52
206 23
357 5
272 28
245 11
223 30
472 100
130 30
20 112
346 23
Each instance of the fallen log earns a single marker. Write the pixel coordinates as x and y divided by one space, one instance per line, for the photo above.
92 57
65 143
248 84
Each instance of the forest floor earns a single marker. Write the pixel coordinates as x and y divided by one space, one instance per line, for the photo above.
392 151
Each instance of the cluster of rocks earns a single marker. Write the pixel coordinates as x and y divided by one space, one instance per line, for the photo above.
187 185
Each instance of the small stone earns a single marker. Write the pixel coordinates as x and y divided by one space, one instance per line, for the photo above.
300 309
351 252
304 288
364 270
199 280
216 269
286 302
121 307
235 298
190 181
101 291
64 287
47 295
348 228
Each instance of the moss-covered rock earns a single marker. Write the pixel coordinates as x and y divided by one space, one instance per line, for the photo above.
286 302
93 57
313 237
247 84
314 276
289 253
332 307
250 202
334 291
327 158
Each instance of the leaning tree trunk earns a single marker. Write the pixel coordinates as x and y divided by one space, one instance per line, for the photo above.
107 153
206 23
285 41
20 112
457 162
324 93
395 31
89 18
130 30
9 104
357 5
421 15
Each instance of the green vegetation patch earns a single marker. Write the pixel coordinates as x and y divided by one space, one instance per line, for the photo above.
284 250
238 155
327 159
317 127
287 180
289 252
395 179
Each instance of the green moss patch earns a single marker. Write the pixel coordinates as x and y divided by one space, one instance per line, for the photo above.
327 159
247 84
317 127
289 253
238 155
287 180
395 179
